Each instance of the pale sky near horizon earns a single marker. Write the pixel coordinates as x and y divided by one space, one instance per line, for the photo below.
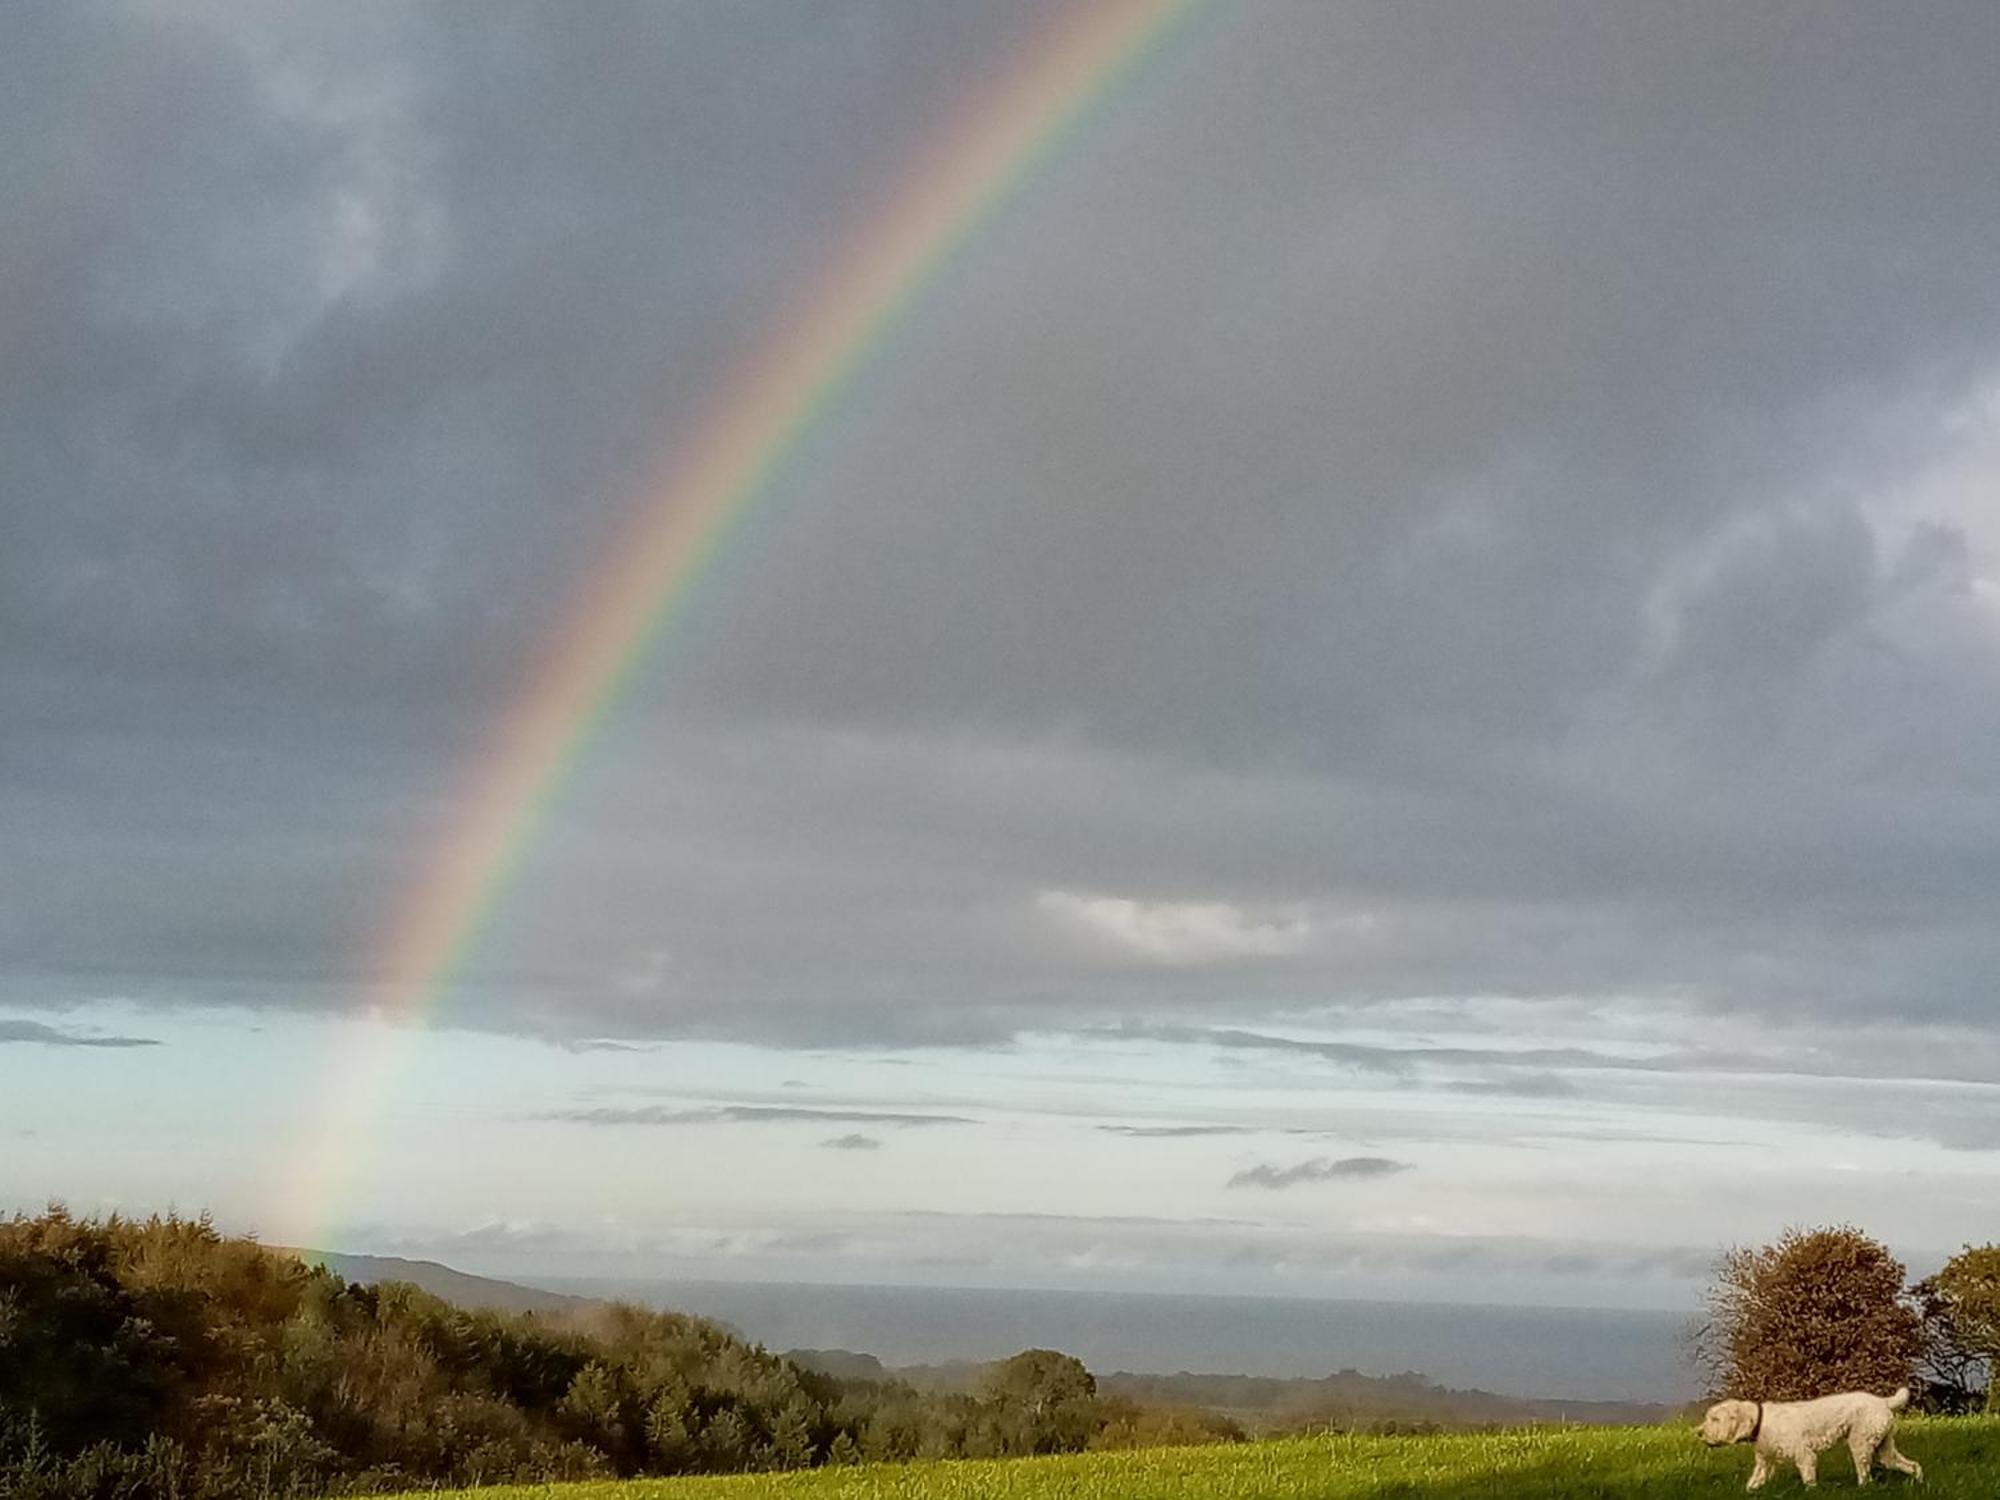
1391 688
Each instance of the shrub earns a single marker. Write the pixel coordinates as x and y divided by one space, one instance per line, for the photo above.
1818 1311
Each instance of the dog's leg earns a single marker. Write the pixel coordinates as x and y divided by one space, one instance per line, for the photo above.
1760 1472
1809 1469
1891 1459
1862 1447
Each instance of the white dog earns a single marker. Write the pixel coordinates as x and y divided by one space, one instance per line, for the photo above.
1798 1431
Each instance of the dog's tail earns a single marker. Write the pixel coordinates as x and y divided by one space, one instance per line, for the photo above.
1901 1399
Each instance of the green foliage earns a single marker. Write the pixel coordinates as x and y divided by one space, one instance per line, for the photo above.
1126 1424
1960 1307
1042 1402
159 1358
83 1358
1816 1312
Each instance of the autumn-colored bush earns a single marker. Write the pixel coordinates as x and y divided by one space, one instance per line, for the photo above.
1815 1312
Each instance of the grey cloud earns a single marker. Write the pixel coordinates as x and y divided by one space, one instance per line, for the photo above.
501 1235
54 1036
1969 1132
1472 484
852 1142
1403 1062
1485 1256
1955 1114
1151 1244
1319 1169
739 1114
1089 1220
1871 1055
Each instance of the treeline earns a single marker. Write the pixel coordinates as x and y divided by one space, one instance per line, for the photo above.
161 1358
1277 1406
1349 1401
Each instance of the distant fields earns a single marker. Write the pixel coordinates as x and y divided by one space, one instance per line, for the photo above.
1961 1458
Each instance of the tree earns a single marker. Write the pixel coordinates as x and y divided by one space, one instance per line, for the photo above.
82 1358
1046 1402
1960 1306
1818 1311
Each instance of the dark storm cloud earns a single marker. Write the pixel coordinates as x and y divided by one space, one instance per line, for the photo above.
44 1035
1495 497
1319 1169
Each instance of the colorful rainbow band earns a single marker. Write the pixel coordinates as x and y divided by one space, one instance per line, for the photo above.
775 399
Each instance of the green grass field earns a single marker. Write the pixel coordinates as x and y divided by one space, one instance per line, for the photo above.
1961 1459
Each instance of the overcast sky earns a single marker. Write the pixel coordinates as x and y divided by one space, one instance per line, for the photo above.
1391 685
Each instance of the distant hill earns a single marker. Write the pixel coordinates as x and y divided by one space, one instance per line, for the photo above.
1603 1353
842 1364
459 1288
1353 1401
1347 1400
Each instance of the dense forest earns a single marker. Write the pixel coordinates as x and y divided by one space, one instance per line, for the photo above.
159 1357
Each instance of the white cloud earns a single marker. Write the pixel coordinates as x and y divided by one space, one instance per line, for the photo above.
1182 932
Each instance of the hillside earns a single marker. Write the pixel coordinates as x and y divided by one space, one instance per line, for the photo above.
1961 1458
459 1288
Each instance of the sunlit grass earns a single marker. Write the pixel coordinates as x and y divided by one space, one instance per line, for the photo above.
1961 1459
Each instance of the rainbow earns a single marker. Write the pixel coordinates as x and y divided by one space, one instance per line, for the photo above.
776 397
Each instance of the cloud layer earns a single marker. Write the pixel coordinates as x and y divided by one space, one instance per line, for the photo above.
42 1034
1393 510
1318 1169
742 1114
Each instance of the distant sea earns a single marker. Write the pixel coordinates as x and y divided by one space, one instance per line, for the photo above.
1577 1353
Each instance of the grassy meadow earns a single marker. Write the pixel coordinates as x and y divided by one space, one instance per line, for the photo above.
1961 1458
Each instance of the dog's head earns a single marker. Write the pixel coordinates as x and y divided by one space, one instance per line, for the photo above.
1729 1422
